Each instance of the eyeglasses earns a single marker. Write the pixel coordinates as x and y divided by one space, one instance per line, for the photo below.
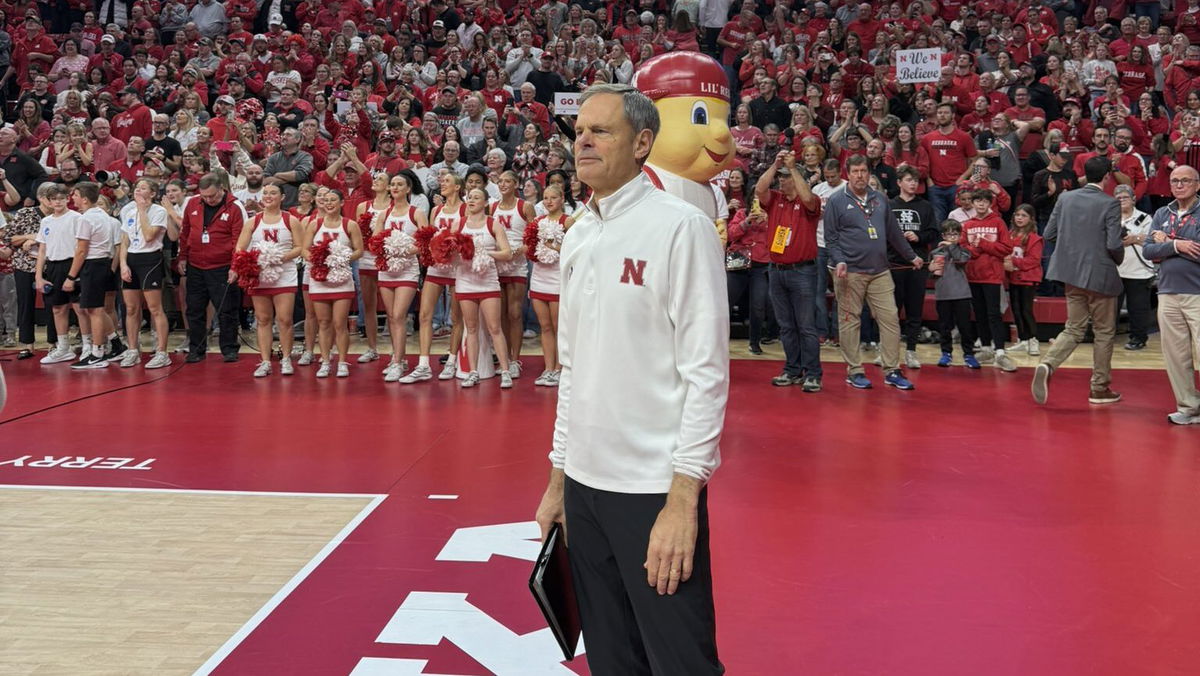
1182 181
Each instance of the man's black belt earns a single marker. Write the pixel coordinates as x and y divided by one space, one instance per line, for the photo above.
793 266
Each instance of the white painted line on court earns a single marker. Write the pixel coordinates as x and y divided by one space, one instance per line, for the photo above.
436 496
199 491
252 624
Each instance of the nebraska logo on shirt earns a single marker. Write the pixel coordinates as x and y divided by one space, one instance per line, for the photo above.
985 233
633 272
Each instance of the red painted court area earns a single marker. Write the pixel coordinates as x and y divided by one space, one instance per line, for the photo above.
957 529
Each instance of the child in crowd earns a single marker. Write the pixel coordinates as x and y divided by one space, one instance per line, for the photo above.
986 237
90 277
56 249
965 210
1024 267
953 294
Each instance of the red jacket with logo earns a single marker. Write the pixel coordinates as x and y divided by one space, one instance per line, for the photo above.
988 242
1029 264
223 232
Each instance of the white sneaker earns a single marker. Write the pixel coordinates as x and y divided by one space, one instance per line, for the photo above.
263 370
285 366
323 371
130 358
554 376
1022 346
448 371
1034 348
392 373
1005 362
417 375
59 355
514 368
543 380
471 380
986 355
159 360
1181 418
529 334
506 380
306 358
910 360
368 356
343 369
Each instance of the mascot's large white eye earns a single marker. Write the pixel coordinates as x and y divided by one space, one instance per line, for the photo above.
700 113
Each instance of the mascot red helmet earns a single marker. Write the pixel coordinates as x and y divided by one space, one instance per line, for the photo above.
682 74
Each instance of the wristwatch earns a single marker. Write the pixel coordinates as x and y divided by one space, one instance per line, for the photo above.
73 278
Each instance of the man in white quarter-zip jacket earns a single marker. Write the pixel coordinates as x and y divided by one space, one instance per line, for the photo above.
644 343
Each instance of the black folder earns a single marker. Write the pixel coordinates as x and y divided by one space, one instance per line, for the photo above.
555 593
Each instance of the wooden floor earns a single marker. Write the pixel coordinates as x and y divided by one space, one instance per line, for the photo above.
114 582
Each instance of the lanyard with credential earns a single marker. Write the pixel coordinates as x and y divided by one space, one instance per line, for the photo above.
867 207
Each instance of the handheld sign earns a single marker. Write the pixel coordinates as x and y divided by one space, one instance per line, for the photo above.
918 65
566 103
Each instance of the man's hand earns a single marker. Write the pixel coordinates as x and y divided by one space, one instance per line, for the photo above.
910 235
917 263
232 277
68 285
673 537
1187 247
840 271
1051 186
1159 236
551 508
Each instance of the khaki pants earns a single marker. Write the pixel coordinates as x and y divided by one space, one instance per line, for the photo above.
879 291
1179 329
1083 305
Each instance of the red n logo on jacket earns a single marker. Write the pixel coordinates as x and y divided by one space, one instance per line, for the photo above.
633 272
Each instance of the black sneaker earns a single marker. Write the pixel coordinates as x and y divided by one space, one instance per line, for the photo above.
25 354
785 379
116 349
1135 345
230 357
90 362
194 357
754 349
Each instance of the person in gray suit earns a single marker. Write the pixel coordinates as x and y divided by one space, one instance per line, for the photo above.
1085 229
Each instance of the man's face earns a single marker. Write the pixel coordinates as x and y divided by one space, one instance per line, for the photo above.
489 129
254 176
981 206
1022 98
161 124
287 97
68 170
1122 140
945 116
135 146
450 152
875 149
291 137
212 196
527 92
859 176
8 139
1183 183
101 129
606 148
1100 139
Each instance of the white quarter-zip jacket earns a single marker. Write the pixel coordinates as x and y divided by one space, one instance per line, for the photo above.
644 343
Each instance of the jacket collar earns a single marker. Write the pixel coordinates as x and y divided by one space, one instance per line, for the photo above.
625 198
1174 208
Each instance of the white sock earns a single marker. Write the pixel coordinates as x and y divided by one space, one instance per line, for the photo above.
112 336
62 343
423 360
97 351
87 343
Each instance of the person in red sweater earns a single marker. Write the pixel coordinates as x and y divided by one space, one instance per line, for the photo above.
949 149
1024 268
986 238
1076 129
1127 166
135 120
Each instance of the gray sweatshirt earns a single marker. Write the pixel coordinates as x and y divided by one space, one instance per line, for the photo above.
952 284
859 234
1177 274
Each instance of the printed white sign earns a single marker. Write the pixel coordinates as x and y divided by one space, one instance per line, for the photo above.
566 103
918 65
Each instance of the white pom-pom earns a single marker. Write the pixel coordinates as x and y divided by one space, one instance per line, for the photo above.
270 260
549 232
482 260
399 248
338 262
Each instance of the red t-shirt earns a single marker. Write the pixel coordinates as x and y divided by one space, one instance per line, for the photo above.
801 242
948 155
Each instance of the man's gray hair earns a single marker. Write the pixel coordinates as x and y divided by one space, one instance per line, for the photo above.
639 109
497 152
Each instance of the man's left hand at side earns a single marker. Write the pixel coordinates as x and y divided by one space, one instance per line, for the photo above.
673 537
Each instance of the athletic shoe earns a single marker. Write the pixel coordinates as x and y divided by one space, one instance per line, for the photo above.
1021 346
945 360
323 371
441 332
505 380
897 380
555 376
159 360
784 379
1005 362
858 381
1104 396
116 350
528 334
471 380
285 366
392 373
24 354
986 355
910 360
1034 348
195 357
811 384
306 358
343 369
368 356
543 380
130 358
422 372
1041 383
1180 418
230 357
59 355
514 368
263 370
754 349
88 361
448 371
9 341
1135 345
971 362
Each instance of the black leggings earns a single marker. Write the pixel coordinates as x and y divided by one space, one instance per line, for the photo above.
989 321
910 297
26 300
1021 300
956 314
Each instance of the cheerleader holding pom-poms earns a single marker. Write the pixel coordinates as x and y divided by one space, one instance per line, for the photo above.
332 243
395 247
482 242
543 240
368 273
274 237
513 214
446 218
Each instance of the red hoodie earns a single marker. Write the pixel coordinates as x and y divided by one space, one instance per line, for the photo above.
987 240
1029 264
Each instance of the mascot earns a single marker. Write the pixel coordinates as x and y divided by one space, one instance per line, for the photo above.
691 92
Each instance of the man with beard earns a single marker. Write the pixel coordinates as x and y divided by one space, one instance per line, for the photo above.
288 167
888 179
251 195
1040 94
172 153
1126 167
68 173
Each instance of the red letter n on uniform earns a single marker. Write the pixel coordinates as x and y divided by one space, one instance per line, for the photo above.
633 272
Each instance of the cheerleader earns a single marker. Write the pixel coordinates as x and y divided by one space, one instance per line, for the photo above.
368 274
513 214
274 300
331 300
477 284
399 286
544 283
143 227
449 216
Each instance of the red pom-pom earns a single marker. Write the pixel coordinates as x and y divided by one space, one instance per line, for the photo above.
423 237
246 267
531 240
316 261
375 246
364 224
466 246
442 247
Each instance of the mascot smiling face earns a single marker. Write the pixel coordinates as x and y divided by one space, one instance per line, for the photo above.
691 92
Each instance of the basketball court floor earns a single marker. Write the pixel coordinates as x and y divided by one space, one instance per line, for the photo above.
196 520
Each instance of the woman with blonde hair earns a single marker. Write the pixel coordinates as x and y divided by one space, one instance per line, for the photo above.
183 128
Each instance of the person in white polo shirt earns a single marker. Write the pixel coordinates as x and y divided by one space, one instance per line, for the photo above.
56 249
91 276
643 286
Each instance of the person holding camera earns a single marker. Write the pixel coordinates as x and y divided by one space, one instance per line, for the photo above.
1085 228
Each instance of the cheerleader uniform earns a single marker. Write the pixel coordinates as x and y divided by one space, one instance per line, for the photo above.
545 282
366 264
470 284
411 272
513 221
326 291
443 275
280 233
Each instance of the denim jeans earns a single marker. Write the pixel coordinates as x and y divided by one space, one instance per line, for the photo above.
943 200
751 285
792 297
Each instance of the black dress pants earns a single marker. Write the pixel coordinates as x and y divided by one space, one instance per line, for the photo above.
203 287
628 628
910 297
1138 302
